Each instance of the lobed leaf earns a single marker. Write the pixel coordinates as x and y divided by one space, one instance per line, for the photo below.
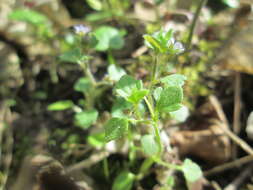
191 171
149 145
73 56
115 72
108 38
82 84
115 128
170 99
130 89
174 80
85 119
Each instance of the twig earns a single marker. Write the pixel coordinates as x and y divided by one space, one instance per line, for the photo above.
218 108
237 109
237 139
229 165
225 126
196 16
88 162
7 147
240 178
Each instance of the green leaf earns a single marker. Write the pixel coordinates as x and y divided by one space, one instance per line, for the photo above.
170 181
157 92
174 80
85 119
108 38
157 2
137 95
98 16
124 181
82 84
232 3
153 43
181 114
119 106
73 56
172 108
115 72
170 99
130 89
149 145
125 86
29 16
96 140
115 128
168 35
95 4
60 105
191 171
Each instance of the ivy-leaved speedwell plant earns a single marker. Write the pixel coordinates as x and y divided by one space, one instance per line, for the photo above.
162 95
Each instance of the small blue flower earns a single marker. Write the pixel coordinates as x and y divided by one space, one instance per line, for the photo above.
178 47
81 29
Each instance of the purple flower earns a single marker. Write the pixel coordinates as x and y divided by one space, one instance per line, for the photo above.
81 29
178 47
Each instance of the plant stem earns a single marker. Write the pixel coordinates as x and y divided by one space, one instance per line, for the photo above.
89 74
158 137
155 125
90 96
106 168
110 58
154 71
168 165
193 25
144 167
150 108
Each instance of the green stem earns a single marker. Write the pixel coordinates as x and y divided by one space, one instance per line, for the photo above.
158 137
154 71
150 108
167 165
144 167
193 25
89 74
90 94
155 125
106 168
110 57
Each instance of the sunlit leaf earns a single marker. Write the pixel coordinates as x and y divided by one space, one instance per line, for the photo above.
28 15
157 92
115 128
174 80
149 145
170 99
98 16
124 181
130 89
60 105
95 4
115 72
82 84
73 56
153 43
96 140
191 171
108 38
181 114
85 119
